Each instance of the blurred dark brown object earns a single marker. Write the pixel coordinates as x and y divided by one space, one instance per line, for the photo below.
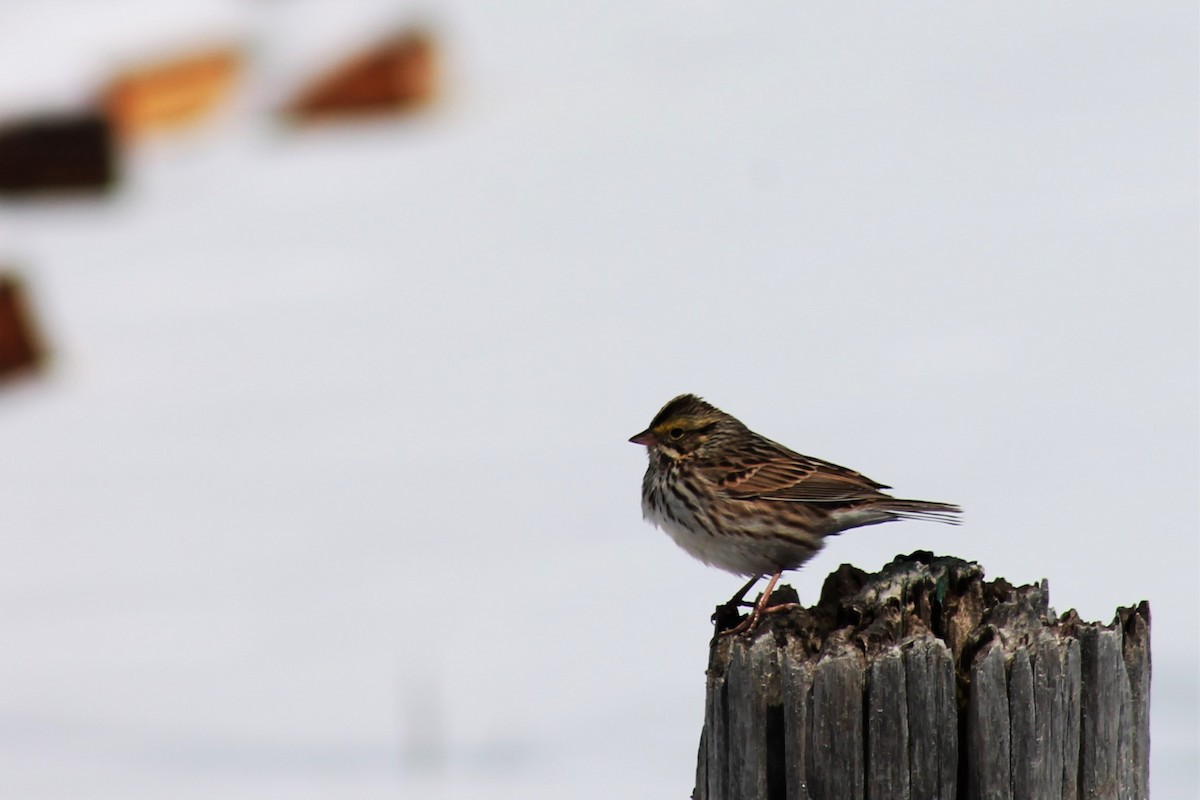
20 349
171 94
66 153
395 75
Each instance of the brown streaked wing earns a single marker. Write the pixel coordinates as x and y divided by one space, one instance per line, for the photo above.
778 473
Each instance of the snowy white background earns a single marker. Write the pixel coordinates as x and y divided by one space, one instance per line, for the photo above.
327 493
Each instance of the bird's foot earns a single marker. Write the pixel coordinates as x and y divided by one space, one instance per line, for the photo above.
748 624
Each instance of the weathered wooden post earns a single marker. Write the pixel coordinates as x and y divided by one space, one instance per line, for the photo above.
924 681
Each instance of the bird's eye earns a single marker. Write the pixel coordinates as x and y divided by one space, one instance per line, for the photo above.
675 433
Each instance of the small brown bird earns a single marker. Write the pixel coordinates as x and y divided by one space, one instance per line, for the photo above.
739 501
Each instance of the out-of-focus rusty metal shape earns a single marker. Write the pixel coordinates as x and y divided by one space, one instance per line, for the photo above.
63 153
173 93
21 351
396 75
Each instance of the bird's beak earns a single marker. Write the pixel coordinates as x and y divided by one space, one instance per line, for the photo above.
645 438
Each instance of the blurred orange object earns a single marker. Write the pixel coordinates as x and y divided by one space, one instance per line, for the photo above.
20 349
171 94
395 75
71 153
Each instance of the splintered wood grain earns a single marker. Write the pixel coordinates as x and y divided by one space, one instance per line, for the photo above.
716 742
932 720
749 681
1027 754
1136 653
1072 698
887 728
988 744
1049 714
836 725
904 684
796 680
1102 670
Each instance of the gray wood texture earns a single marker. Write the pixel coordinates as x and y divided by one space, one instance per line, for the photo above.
887 728
926 682
932 719
835 728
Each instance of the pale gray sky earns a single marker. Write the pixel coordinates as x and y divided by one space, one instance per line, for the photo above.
333 445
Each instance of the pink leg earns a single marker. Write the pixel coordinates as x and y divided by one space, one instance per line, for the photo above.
751 622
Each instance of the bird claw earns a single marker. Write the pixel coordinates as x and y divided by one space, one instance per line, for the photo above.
748 624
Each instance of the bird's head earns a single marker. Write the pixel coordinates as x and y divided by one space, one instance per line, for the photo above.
684 427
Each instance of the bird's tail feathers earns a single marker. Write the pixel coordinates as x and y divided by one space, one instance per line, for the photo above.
922 509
